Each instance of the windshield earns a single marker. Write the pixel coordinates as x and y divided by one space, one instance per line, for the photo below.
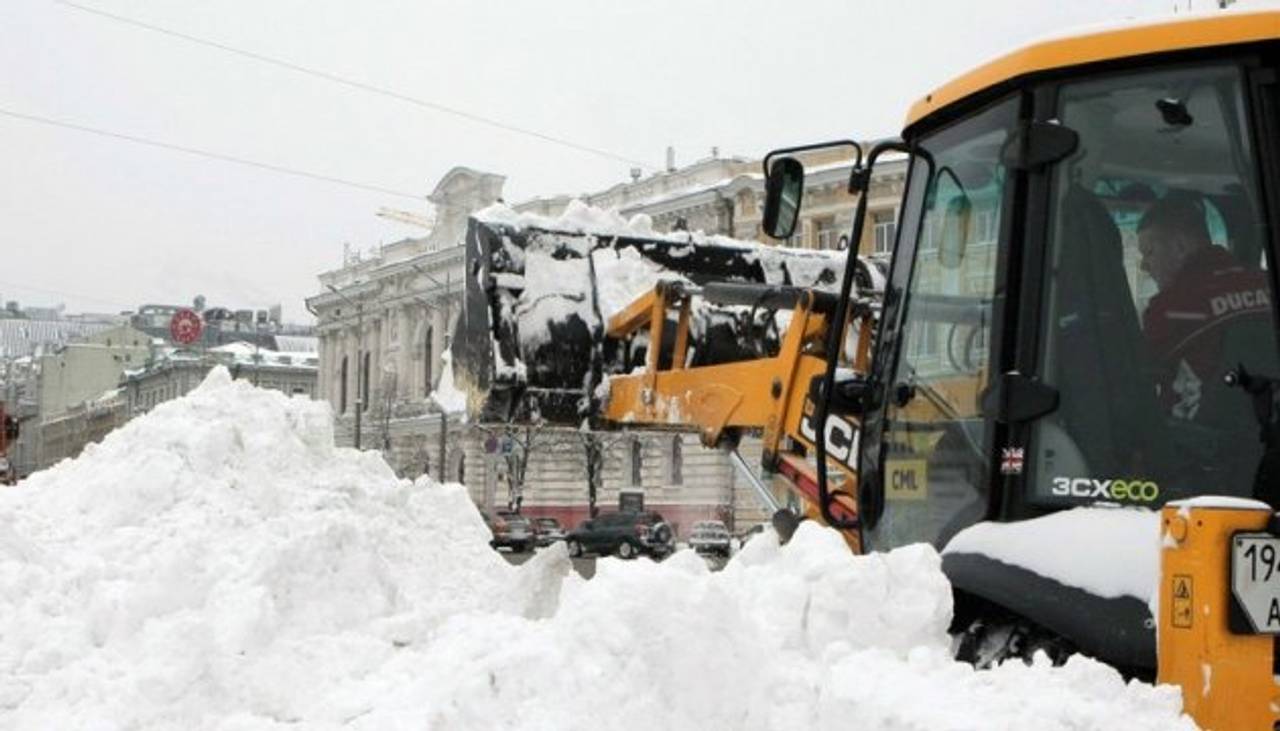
1155 287
932 453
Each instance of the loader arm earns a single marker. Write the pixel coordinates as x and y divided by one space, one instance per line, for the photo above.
772 396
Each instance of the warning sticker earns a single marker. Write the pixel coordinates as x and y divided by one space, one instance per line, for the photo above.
1182 611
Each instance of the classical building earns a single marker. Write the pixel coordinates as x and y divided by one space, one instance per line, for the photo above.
726 196
383 325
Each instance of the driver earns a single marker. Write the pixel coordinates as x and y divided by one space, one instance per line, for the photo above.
1202 289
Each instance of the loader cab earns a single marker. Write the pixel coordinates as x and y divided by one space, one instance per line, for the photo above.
1083 254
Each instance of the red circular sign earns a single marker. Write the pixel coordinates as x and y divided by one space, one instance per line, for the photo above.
185 327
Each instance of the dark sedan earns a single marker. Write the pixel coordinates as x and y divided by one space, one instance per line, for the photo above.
626 534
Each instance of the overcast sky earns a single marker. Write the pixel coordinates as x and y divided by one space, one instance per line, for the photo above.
103 224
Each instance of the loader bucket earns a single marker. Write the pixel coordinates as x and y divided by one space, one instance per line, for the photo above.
530 343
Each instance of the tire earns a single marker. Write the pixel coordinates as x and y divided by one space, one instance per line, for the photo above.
627 550
575 548
662 533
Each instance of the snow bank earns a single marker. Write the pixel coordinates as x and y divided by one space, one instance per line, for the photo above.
218 564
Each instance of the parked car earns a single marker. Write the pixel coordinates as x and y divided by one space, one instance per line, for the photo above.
548 531
626 534
510 530
710 536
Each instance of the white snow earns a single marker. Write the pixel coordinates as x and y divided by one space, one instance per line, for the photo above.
580 217
1218 501
554 289
218 564
1110 552
622 275
446 394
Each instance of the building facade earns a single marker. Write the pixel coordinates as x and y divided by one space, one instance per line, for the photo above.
172 372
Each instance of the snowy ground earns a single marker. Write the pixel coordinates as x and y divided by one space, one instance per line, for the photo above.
218 564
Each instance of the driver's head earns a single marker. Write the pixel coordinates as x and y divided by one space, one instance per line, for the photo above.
1170 231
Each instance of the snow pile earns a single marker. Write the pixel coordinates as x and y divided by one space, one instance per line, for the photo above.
580 217
622 275
554 290
218 564
446 394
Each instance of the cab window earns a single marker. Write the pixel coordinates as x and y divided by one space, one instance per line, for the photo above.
1155 286
932 458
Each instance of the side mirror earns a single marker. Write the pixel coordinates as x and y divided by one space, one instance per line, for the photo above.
784 189
955 231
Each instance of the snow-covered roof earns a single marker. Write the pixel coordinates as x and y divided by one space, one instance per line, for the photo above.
297 344
22 337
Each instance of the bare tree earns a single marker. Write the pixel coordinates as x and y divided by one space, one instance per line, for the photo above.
524 440
388 397
595 446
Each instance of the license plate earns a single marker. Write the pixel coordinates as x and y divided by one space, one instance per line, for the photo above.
1255 579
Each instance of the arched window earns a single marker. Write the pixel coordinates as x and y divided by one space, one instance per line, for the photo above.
427 362
677 460
342 388
637 461
364 384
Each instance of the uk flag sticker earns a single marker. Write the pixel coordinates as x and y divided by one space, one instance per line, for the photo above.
1011 459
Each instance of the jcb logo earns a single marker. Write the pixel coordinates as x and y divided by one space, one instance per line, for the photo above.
841 436
1143 491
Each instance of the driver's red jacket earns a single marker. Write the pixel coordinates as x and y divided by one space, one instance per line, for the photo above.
1185 324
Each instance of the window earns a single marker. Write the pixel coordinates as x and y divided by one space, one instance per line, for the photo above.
797 237
1154 288
929 236
427 362
826 236
924 341
637 462
364 383
984 227
885 228
677 460
342 387
930 455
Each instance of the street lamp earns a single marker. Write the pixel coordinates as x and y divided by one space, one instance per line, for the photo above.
359 356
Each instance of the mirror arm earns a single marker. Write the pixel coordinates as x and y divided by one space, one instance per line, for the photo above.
857 160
